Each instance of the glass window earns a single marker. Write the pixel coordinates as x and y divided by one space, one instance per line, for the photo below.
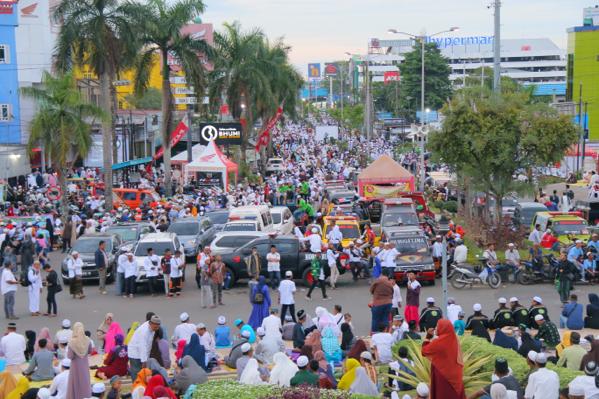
184 229
158 247
240 241
89 245
286 247
218 217
4 112
127 233
4 54
227 242
276 218
128 196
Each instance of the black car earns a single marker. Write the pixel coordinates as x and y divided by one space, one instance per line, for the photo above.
87 245
292 258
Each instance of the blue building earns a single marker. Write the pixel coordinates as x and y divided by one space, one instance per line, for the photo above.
10 125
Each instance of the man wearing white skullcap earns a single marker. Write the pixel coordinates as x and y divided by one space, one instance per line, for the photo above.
547 331
184 330
314 240
304 376
478 323
502 316
543 383
60 383
519 312
422 390
430 315
536 308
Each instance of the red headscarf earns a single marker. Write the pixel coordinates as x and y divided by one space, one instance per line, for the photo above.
155 381
164 392
180 348
445 355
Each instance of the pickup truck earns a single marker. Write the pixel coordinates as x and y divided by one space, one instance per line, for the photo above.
415 253
292 258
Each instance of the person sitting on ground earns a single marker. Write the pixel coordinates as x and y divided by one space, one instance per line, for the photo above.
571 356
571 317
366 362
542 383
547 331
116 361
189 374
430 315
287 328
592 318
235 353
304 376
299 331
536 308
222 333
501 376
40 366
412 332
459 325
349 374
505 339
528 343
592 355
478 323
587 381
362 384
519 312
502 316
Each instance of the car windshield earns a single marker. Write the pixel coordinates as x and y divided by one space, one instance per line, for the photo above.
127 233
393 219
570 227
158 247
184 229
89 245
508 202
410 245
350 231
276 218
218 217
240 227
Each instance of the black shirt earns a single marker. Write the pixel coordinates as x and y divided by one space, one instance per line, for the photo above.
510 383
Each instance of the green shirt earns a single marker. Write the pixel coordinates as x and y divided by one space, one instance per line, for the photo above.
571 357
304 377
548 332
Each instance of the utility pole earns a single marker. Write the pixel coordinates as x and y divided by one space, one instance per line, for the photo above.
581 134
367 100
330 92
341 92
584 130
422 112
189 126
497 48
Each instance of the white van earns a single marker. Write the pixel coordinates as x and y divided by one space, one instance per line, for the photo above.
259 213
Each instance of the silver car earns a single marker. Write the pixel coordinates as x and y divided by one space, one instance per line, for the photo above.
228 241
193 233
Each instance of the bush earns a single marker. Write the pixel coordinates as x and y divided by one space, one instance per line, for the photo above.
451 206
438 205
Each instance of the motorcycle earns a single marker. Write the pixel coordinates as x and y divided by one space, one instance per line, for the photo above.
529 275
462 276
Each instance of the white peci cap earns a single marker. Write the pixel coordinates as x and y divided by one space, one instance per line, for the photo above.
430 299
541 358
539 317
98 387
532 356
66 362
199 326
476 307
366 355
260 331
184 316
513 299
245 348
502 300
66 323
302 361
221 320
422 389
537 299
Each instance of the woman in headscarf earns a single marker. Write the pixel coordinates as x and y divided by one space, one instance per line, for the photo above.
251 374
325 319
160 350
498 391
103 329
347 337
330 345
131 331
564 343
307 351
260 299
528 343
325 370
78 385
190 374
283 371
504 340
357 349
314 340
196 351
109 339
349 376
44 334
27 250
8 382
155 381
592 355
30 344
180 348
362 384
592 318
140 383
21 387
161 392
447 365
116 361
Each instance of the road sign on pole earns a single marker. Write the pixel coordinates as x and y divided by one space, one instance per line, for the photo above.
186 100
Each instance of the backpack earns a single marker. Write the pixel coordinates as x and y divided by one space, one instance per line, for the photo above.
258 297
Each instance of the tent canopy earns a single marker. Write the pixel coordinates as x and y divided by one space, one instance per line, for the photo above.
212 160
181 158
384 169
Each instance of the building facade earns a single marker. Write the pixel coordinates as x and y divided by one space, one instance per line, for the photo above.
10 124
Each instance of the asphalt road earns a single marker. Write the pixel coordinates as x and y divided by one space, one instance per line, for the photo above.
354 298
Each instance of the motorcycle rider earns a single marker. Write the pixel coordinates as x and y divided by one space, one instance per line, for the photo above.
430 315
536 307
460 254
490 255
575 256
536 257
502 316
519 312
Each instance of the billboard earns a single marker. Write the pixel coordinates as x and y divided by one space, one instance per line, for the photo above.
331 69
314 71
391 76
221 133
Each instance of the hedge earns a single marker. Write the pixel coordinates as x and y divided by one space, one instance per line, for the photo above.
226 389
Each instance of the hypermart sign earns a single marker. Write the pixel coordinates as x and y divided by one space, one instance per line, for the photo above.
444 42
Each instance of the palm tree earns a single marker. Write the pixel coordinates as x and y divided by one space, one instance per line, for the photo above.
241 75
97 33
62 124
159 26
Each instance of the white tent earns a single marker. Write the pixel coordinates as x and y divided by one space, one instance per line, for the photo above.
211 160
181 158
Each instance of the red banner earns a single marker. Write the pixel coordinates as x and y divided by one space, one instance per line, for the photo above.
391 76
264 137
176 136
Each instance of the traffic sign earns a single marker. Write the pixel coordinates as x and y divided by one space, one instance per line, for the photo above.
186 100
121 82
184 90
178 80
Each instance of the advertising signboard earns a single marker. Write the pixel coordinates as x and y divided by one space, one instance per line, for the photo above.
314 71
209 179
331 69
222 133
391 76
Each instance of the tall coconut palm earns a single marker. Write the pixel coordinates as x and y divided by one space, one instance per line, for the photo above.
159 26
62 124
242 74
97 33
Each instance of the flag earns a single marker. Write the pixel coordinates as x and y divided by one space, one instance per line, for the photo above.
176 136
264 137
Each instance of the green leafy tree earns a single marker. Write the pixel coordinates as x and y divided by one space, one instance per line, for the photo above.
437 87
151 99
352 117
62 124
97 33
488 138
158 25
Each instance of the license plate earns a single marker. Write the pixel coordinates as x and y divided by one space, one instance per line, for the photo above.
87 273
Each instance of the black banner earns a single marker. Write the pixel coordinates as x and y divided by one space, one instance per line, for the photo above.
209 179
222 133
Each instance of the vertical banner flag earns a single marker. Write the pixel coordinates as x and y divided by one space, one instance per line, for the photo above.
265 135
176 136
391 76
331 69
314 71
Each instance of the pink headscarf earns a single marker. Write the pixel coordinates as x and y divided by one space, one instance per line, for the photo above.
113 331
44 334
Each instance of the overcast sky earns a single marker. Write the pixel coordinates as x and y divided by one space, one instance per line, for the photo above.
323 30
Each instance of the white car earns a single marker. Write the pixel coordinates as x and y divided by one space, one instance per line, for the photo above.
228 241
275 165
242 225
159 242
282 219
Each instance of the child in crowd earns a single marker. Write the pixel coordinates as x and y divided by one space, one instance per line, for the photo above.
459 325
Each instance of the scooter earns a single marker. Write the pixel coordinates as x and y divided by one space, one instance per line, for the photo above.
462 276
529 275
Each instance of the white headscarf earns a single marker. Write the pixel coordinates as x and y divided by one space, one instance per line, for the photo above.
362 384
498 391
325 319
283 371
79 342
251 374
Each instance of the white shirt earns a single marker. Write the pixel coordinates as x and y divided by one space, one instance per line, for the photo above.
332 257
120 268
383 342
286 290
176 267
202 260
542 384
398 332
183 331
273 262
512 257
535 236
272 325
438 249
588 383
141 342
315 242
13 346
396 300
59 386
452 312
149 267
388 257
335 235
75 267
207 341
130 268
460 253
65 333
6 277
35 279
